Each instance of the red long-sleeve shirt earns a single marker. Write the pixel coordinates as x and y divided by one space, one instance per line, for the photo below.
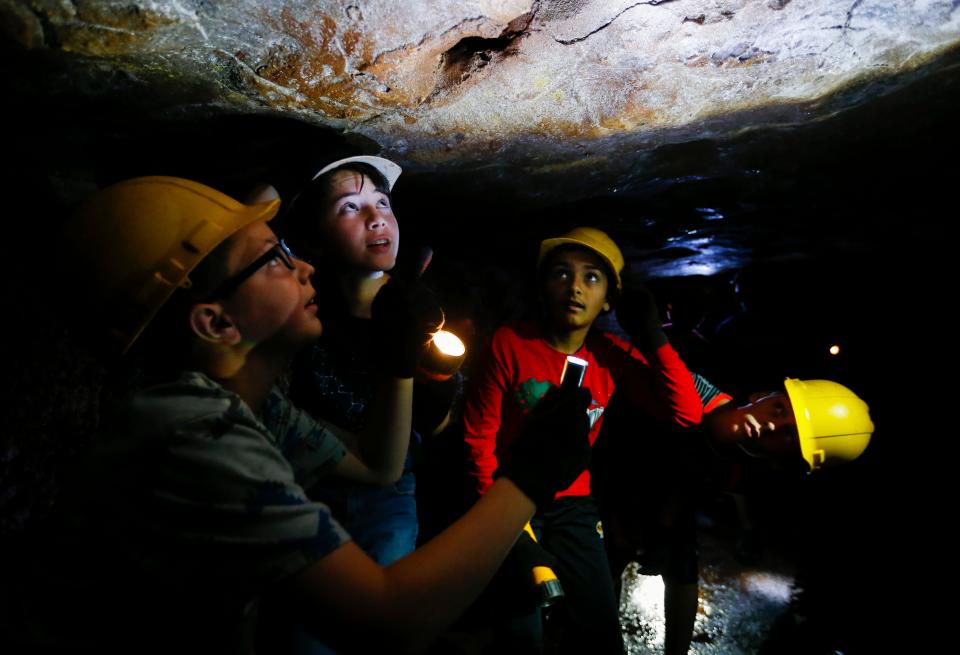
521 366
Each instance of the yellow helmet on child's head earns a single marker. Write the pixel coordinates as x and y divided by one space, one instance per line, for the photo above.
592 239
134 243
833 424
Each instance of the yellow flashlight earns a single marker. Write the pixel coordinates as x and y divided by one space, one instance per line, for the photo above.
546 580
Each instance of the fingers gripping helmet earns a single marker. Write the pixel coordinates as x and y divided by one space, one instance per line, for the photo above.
134 243
833 424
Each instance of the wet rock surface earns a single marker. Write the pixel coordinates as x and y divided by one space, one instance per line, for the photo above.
739 604
551 87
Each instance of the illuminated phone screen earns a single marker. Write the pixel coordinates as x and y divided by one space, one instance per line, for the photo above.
573 371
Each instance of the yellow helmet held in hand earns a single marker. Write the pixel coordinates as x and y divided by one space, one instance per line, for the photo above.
134 243
833 424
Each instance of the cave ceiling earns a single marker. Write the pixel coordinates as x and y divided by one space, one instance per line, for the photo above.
538 102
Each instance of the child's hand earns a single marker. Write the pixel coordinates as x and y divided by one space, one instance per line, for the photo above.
552 448
412 262
405 315
523 557
530 553
638 315
752 428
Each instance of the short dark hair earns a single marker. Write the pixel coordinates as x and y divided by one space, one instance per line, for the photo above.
310 201
164 345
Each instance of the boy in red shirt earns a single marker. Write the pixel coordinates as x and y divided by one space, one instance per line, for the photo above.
579 277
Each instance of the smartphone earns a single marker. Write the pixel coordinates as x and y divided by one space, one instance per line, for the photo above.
573 370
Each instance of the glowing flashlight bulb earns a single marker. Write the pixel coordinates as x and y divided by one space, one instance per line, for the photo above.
834 349
443 357
448 343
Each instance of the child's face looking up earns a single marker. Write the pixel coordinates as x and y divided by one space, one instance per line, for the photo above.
771 412
358 223
769 424
275 303
575 288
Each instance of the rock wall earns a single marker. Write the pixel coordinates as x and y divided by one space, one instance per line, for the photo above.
551 86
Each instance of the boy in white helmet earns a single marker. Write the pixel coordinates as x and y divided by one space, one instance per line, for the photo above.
344 218
191 507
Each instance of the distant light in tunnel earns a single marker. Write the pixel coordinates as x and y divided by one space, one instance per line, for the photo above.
834 349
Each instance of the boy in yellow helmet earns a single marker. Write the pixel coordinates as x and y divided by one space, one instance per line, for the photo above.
191 507
579 277
644 481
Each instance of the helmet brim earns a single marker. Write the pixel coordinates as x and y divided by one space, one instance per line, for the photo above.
387 168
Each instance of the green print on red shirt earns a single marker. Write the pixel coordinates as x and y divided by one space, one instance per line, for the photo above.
529 392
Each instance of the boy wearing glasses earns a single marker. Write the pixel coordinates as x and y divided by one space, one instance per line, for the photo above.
189 511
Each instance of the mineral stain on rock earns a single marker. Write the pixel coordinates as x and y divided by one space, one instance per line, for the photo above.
530 83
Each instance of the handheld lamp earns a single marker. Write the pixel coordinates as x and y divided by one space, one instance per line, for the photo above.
443 357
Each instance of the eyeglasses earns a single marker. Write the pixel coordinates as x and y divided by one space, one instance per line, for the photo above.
279 251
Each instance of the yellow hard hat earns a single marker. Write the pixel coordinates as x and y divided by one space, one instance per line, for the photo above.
134 243
833 424
592 239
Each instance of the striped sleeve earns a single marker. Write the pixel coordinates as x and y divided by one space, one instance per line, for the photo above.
710 396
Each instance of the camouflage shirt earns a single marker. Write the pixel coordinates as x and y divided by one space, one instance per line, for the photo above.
189 508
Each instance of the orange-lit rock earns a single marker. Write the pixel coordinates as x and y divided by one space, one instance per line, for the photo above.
530 85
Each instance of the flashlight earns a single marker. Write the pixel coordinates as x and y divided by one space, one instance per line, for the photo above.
546 580
443 356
